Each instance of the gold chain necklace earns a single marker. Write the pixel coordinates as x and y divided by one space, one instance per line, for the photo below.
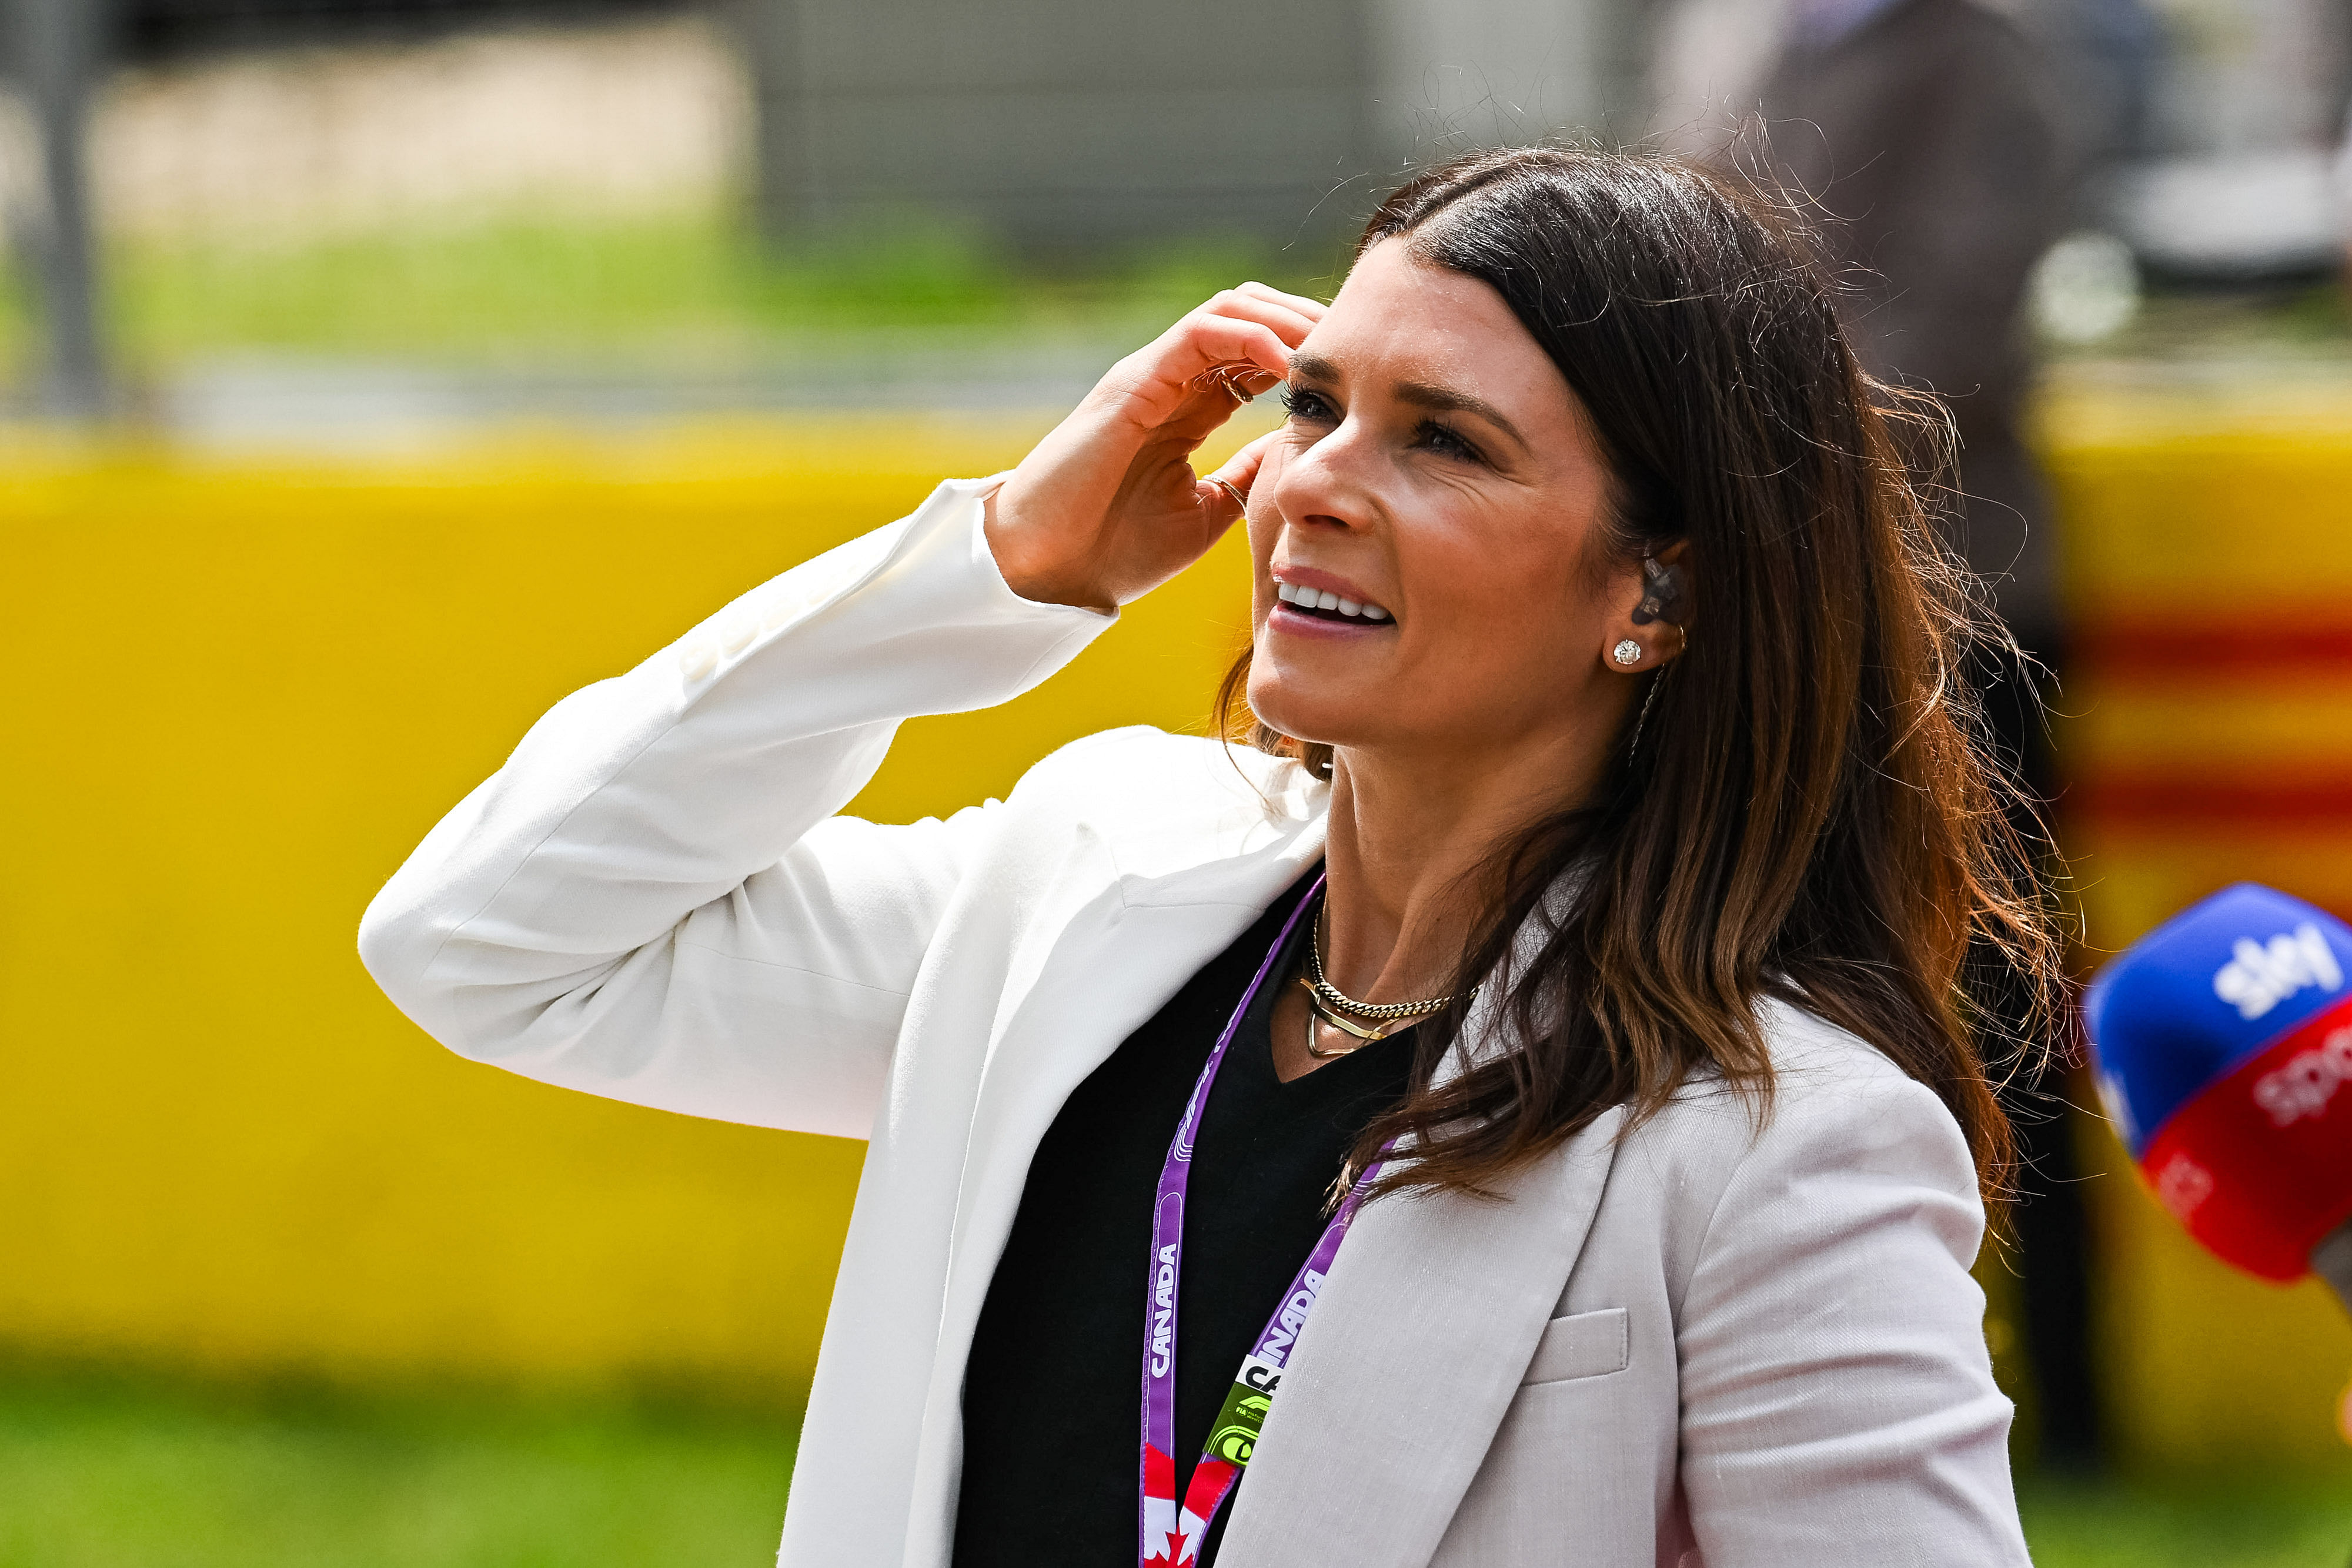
1324 1001
1315 1011
1340 1001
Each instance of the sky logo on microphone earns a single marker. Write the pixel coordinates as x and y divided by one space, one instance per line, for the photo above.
2223 1040
2260 975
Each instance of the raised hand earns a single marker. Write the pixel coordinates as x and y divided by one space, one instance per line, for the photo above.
1107 507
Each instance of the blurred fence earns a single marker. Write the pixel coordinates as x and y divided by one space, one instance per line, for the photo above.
645 118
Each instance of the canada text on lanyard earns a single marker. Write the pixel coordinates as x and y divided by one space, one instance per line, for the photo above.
1171 1535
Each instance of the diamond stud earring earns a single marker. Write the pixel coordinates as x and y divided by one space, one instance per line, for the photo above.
1627 653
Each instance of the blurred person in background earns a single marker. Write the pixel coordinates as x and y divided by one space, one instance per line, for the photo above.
1576 925
1927 138
2109 59
1925 135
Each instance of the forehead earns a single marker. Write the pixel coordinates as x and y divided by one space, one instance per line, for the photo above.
1398 317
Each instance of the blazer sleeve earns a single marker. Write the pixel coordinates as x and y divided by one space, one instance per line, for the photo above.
1838 1401
654 900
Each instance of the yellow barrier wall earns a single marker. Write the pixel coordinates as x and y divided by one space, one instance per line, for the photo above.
2206 728
236 697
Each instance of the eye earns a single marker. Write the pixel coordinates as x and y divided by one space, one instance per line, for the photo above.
1448 442
1307 406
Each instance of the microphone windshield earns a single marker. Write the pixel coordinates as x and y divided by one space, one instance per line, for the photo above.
2224 1044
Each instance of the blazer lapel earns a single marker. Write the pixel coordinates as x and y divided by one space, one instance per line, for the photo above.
1128 944
1414 1350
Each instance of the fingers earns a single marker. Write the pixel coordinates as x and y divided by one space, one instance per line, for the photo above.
1218 338
1280 312
1290 317
1221 330
1240 469
1222 502
1274 311
1229 349
1312 309
1225 495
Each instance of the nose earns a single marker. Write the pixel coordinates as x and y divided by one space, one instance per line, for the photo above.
1328 484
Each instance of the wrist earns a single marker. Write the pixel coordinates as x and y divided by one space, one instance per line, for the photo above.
1032 573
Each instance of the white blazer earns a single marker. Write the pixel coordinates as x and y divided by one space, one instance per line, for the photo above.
1749 1341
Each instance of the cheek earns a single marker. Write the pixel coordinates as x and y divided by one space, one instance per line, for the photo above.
1528 615
1512 652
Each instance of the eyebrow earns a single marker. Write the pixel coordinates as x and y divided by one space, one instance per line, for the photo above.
1420 394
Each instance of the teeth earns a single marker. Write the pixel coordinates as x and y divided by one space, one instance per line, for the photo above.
1323 599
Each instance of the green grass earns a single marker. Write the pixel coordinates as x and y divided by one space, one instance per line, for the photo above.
97 1473
97 1477
699 290
2290 323
686 289
2248 1524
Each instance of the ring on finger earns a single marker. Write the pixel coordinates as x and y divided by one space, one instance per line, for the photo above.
1240 501
1226 378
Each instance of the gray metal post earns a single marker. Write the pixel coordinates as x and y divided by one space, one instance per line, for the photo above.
60 47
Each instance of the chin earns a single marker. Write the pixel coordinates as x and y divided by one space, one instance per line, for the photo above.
1306 709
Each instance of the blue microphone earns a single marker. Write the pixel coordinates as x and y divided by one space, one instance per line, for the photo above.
2224 1044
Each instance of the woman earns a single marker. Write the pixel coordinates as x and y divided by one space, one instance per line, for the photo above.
1581 1140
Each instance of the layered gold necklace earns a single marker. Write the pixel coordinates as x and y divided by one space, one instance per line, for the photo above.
1329 1004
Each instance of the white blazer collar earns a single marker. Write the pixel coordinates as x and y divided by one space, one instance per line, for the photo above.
1128 941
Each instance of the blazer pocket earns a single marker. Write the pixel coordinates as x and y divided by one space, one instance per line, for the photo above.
1582 1344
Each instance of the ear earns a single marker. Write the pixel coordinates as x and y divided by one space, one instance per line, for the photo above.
1651 619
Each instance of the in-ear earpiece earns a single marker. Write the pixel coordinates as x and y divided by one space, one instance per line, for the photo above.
1662 590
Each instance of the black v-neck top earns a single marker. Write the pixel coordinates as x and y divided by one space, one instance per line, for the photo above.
1053 1393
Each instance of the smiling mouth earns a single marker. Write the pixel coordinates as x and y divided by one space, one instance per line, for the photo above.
1325 605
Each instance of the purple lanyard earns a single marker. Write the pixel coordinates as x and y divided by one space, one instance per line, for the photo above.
1170 1537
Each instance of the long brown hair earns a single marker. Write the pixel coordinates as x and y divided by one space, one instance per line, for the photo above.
1808 814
